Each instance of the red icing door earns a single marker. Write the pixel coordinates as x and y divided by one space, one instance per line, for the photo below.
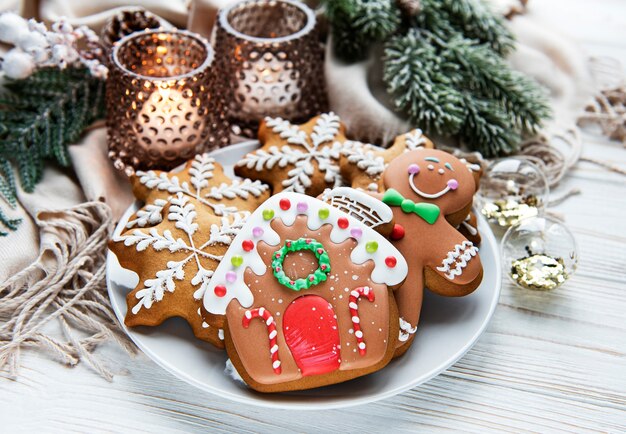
310 329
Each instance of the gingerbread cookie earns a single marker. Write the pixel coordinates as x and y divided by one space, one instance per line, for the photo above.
300 158
306 290
430 193
176 240
362 165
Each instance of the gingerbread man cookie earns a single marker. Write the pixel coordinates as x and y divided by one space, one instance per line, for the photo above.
430 193
306 292
176 240
300 158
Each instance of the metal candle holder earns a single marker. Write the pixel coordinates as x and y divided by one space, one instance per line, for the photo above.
162 106
270 61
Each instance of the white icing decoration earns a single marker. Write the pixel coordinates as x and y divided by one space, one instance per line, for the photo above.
325 131
364 207
242 189
471 229
151 214
372 187
406 330
470 166
239 290
220 334
459 257
364 157
200 172
183 212
414 140
368 157
426 195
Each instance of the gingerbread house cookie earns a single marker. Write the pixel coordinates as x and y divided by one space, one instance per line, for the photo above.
306 290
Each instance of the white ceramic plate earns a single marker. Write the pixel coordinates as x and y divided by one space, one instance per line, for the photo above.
447 330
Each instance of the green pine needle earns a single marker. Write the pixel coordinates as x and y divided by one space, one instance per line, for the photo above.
9 223
489 76
7 183
422 85
475 21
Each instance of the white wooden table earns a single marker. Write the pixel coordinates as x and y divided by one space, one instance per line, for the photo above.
548 361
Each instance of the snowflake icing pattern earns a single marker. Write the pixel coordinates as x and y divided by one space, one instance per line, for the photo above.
183 197
319 146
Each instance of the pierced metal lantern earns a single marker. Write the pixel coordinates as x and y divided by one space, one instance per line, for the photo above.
162 105
270 62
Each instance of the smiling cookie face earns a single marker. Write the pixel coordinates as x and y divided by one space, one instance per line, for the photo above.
429 175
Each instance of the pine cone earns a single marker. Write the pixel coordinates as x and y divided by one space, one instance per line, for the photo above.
409 7
129 21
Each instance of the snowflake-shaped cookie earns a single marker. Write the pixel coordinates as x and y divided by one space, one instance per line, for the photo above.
300 158
179 237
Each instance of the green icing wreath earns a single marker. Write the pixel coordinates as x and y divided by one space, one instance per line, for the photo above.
319 275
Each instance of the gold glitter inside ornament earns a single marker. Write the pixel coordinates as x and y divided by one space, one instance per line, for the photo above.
539 253
507 212
541 272
511 190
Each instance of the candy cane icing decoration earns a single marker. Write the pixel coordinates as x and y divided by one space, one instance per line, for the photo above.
354 313
261 312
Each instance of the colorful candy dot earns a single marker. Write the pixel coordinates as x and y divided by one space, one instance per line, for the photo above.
247 245
231 276
397 233
257 232
413 169
236 260
220 290
453 184
371 246
285 204
342 222
391 261
323 213
268 214
302 207
356 233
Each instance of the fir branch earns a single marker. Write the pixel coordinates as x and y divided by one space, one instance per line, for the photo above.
488 75
488 128
9 223
359 23
471 18
421 84
7 183
41 115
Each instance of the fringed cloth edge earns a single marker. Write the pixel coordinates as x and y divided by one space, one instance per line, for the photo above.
65 284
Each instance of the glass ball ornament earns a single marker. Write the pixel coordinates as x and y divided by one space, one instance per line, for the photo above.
539 253
512 189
